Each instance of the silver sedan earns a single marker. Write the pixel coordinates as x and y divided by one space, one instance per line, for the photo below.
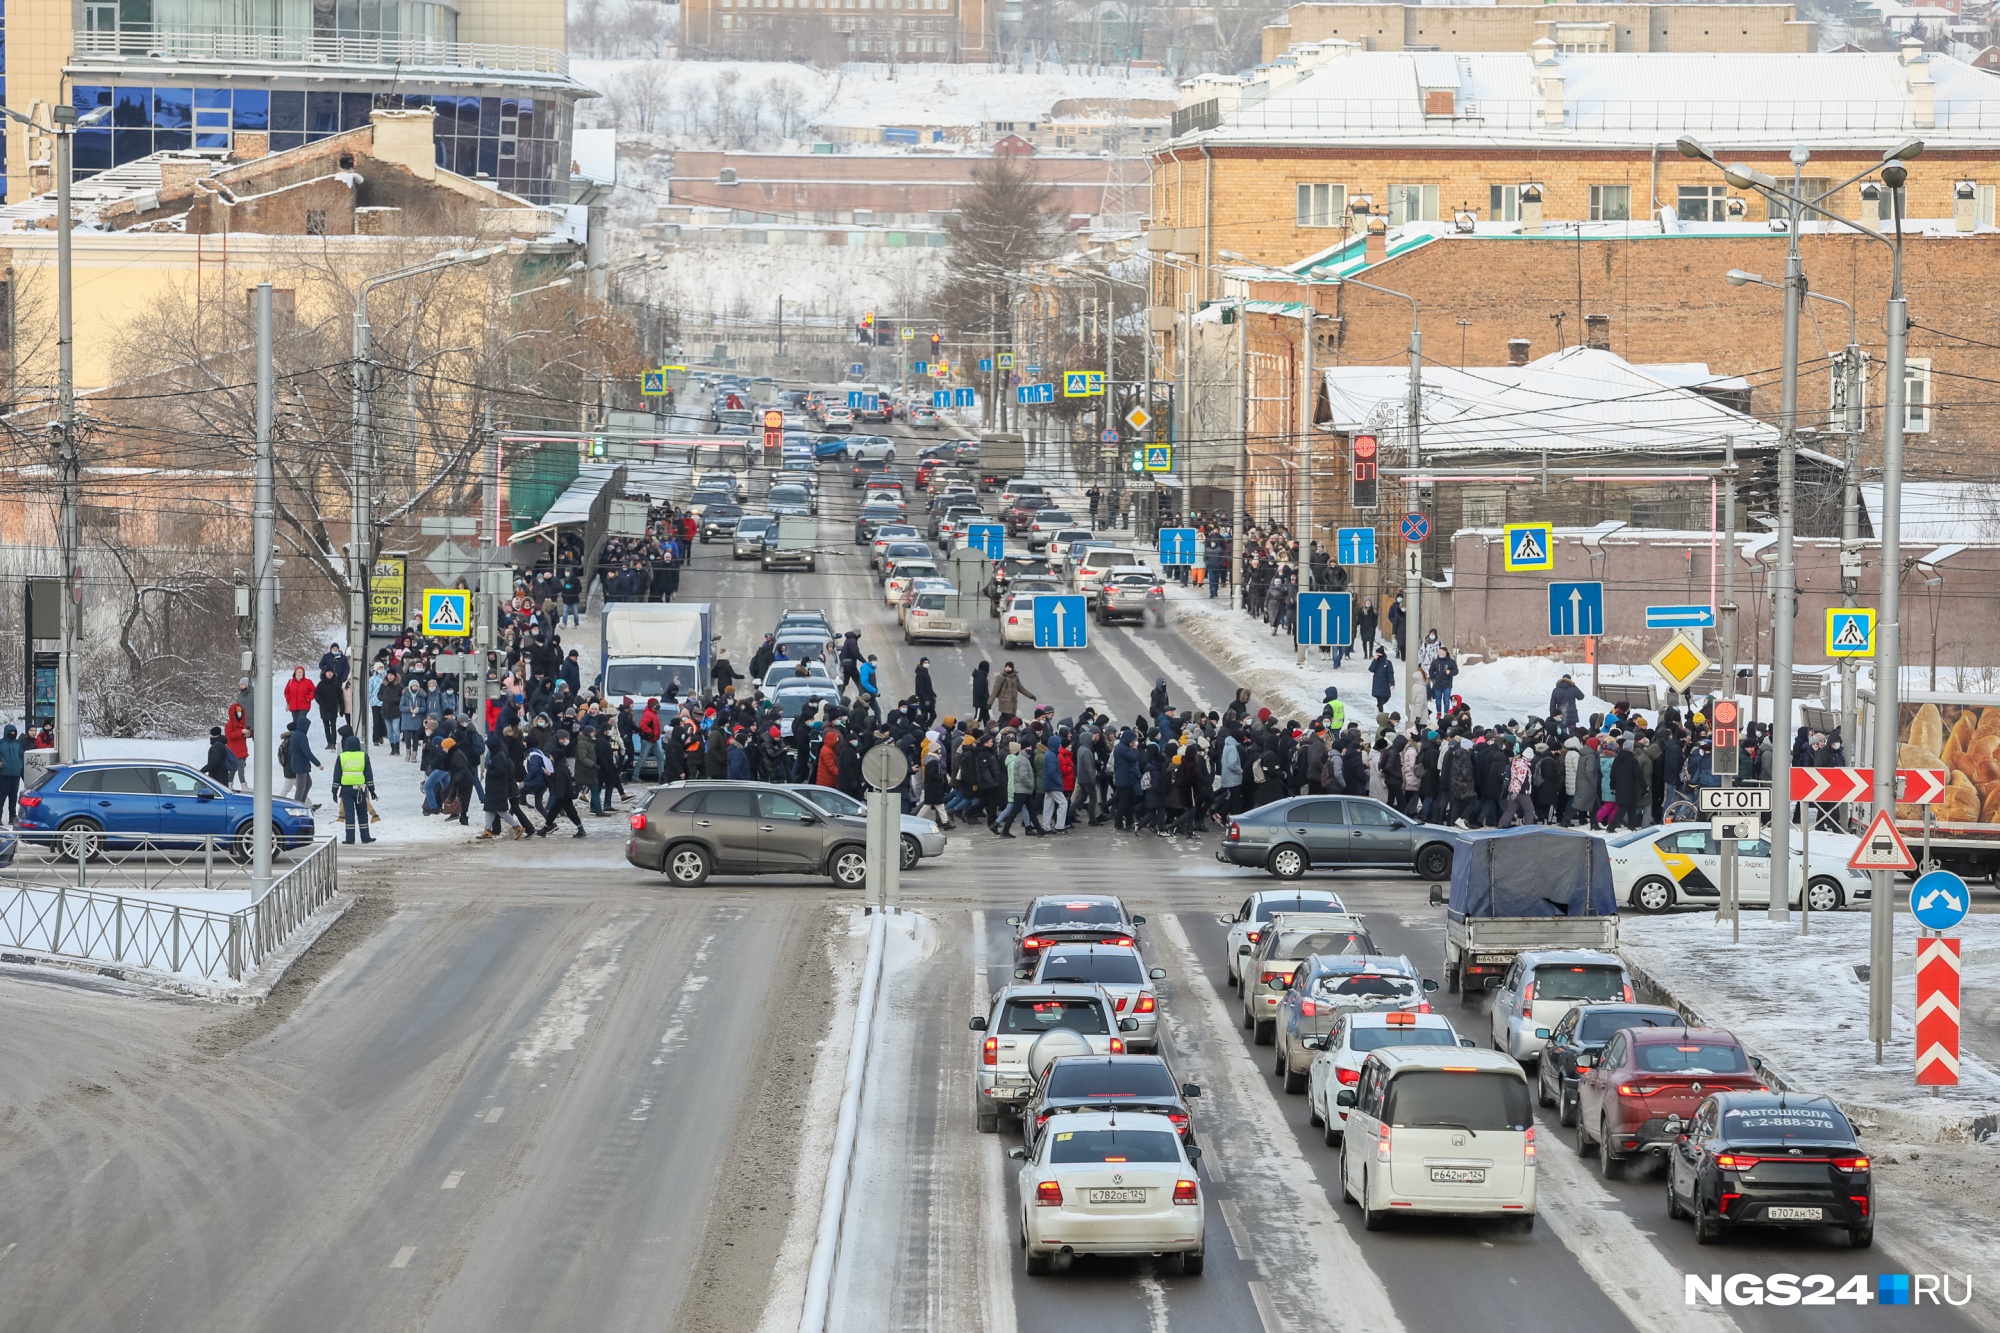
921 837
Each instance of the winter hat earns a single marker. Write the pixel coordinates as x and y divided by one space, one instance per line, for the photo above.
214 732
1263 715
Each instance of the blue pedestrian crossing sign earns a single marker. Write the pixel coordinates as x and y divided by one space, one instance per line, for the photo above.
1326 618
1178 545
1060 621
1354 546
1159 458
447 612
1083 383
1576 610
988 537
1530 546
653 384
1850 631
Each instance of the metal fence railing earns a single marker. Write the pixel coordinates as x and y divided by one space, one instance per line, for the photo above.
140 922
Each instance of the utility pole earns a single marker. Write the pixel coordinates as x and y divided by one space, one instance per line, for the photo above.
1728 617
1850 537
263 649
1784 600
69 459
1889 650
1242 433
1108 417
1304 492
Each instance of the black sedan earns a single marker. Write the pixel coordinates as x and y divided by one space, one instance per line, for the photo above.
1770 1159
1583 1032
719 521
1108 1083
1302 833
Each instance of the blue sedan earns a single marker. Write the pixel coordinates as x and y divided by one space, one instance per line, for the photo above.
88 807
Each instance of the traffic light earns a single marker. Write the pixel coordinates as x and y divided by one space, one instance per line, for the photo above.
868 320
936 339
1366 469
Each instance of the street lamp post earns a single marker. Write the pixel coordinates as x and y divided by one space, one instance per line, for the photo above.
361 549
1888 649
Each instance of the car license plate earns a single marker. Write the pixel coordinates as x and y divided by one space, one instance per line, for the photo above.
1795 1214
1458 1175
1118 1196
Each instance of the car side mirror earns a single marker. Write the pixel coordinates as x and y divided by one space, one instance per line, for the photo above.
1586 1062
1345 1097
1243 949
1138 920
1315 1043
1757 1063
204 794
1128 1025
1279 983
1193 1154
1541 1034
1013 920
1466 1041
977 1025
1190 1090
1157 973
1018 1154
1430 985
1022 974
1227 919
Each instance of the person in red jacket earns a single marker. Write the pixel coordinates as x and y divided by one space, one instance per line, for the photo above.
236 735
299 695
649 740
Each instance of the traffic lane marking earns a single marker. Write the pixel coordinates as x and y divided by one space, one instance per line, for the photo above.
492 1117
451 1181
403 1257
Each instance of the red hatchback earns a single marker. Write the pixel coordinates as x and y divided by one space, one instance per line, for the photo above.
1637 1092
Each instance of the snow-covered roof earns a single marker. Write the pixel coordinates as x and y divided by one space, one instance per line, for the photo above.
1940 512
1577 400
1337 92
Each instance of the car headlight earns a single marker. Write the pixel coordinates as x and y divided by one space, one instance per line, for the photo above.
931 826
1852 873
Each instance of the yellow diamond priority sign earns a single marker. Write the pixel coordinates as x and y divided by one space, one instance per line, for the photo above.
1138 418
1680 662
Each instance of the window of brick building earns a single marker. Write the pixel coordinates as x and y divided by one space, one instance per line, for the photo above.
1412 203
1917 395
1701 203
1321 205
1610 203
1503 203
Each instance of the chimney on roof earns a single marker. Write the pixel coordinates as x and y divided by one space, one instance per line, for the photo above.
249 145
1965 205
1376 248
1517 351
1531 209
1923 90
1597 332
1871 204
406 139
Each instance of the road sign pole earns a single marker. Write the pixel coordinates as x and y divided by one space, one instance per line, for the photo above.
1416 690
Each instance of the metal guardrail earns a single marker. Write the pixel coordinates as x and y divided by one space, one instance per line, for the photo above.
100 925
392 49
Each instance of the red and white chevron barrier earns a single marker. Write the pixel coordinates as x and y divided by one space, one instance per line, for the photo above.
1915 786
1937 1011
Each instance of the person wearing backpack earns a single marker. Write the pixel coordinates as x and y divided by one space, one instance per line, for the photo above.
535 779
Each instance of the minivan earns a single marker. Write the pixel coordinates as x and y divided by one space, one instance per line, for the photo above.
1438 1130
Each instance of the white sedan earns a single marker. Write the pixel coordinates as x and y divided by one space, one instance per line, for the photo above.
871 448
902 573
1654 868
1342 1050
1246 924
1111 1184
1017 622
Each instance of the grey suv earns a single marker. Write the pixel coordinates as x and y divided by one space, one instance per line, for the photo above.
690 830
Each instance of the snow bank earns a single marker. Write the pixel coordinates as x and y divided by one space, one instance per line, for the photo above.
1796 1000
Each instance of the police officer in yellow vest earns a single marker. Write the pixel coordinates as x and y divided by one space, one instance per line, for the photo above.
1336 711
355 779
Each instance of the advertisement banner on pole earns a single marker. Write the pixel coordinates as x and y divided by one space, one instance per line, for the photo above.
387 586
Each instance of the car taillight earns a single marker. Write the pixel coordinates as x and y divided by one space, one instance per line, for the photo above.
1725 1202
1125 940
1633 1090
1382 1144
990 1051
1118 1046
1179 1118
1851 1163
1731 1161
1254 935
1528 1144
1042 1119
1146 1003
1159 592
1528 1001
1013 620
1348 1076
1235 833
1628 992
1032 943
1184 1192
1048 1194
1860 1201
1423 1006
1307 1009
638 821
30 802
1269 977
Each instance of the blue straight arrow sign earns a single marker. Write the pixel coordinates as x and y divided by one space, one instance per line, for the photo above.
1060 621
1680 617
1576 610
1177 545
988 537
1354 546
1326 618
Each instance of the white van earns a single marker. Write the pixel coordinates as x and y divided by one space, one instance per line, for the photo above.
1439 1131
1092 564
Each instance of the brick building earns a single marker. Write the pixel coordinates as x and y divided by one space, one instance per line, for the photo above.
1579 28
1296 159
897 31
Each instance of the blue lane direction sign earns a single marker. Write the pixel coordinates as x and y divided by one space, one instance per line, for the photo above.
965 398
1029 394
1326 618
988 537
1939 900
1530 546
920 367
1576 610
1415 527
1178 545
986 363
1060 621
940 397
857 368
1354 546
1691 616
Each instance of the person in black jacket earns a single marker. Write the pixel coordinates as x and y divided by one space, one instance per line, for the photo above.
459 764
982 705
925 693
500 802
562 785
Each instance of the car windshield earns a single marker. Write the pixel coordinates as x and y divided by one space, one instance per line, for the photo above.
899 549
1564 981
1692 1056
1423 1034
833 802
1785 1124
1110 969
1348 942
787 494
641 680
1596 1029
1303 902
1474 1099
1078 914
1115 1145
1082 1016
930 601
1112 1078
753 524
725 511
1366 985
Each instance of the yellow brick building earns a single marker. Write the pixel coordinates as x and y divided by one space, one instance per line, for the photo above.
1576 28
